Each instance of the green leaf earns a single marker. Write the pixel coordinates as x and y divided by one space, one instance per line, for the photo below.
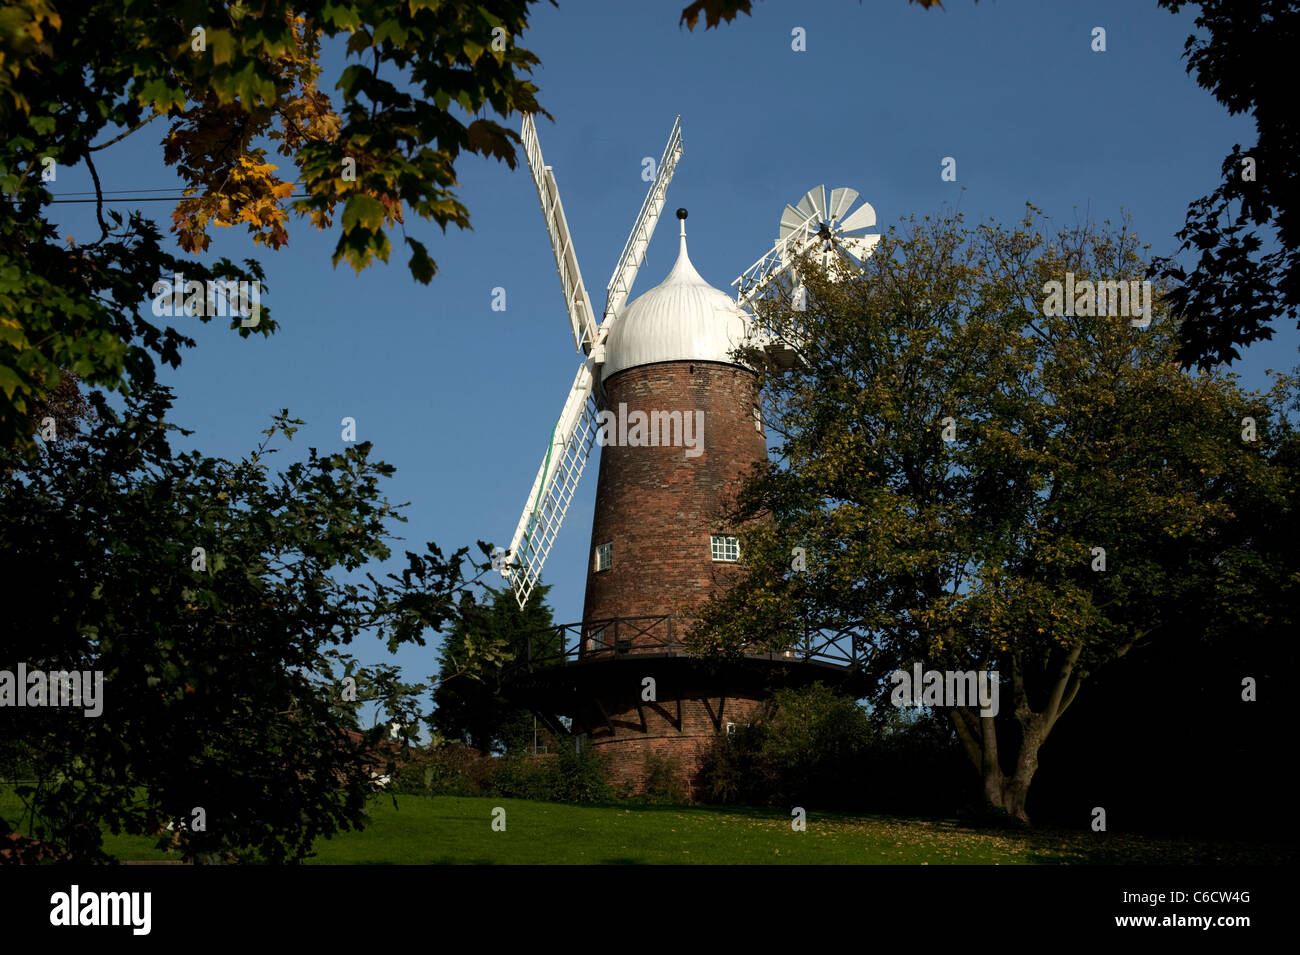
161 95
9 381
390 30
421 265
343 16
363 210
222 44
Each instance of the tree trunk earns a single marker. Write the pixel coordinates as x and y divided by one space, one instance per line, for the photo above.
1003 792
979 735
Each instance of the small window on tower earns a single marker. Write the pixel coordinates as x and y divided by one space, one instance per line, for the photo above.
758 419
725 547
604 555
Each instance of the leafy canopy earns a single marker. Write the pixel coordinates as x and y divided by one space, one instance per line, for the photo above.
229 82
951 459
219 599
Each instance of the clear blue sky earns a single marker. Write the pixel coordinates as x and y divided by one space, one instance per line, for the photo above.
462 399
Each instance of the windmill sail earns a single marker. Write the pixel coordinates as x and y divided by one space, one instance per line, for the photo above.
575 432
620 283
566 259
552 491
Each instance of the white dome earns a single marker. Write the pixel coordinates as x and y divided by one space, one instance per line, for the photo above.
683 318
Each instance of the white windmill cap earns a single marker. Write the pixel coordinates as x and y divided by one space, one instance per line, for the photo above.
683 318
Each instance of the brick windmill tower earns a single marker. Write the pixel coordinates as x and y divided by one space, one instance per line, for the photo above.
679 421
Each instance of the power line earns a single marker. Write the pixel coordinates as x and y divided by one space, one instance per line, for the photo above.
108 199
91 192
124 195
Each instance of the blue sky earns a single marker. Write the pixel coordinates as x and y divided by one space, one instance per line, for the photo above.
461 399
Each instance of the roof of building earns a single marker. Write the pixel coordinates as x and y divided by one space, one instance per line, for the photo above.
683 318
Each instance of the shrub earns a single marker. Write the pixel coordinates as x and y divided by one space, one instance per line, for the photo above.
807 745
663 781
452 769
730 770
525 776
567 775
580 776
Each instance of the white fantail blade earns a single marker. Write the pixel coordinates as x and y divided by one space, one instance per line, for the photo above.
859 246
791 219
620 284
801 231
576 302
863 217
553 488
813 202
841 199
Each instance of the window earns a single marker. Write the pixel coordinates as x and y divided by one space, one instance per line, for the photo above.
725 547
604 555
731 729
758 419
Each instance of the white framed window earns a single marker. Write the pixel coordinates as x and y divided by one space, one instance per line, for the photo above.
725 547
758 419
731 729
604 555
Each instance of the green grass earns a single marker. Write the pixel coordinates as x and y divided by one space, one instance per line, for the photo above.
424 830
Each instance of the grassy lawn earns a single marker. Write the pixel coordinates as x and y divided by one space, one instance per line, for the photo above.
444 829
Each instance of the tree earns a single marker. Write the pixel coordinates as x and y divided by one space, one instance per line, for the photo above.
231 81
477 711
1236 291
978 485
216 601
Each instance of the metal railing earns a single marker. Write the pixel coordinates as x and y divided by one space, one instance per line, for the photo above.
662 636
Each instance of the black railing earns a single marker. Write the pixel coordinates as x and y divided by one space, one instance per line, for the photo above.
620 637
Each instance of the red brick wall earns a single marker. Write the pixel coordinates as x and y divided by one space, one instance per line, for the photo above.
634 729
658 506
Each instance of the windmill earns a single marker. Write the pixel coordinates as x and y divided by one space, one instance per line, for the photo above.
575 431
657 550
813 224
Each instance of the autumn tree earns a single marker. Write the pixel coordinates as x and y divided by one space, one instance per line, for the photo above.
222 87
979 485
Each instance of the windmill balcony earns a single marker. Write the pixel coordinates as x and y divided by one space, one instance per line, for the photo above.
836 655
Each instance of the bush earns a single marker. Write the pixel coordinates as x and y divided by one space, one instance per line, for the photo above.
525 776
564 776
663 781
580 776
452 769
812 746
731 768
808 745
